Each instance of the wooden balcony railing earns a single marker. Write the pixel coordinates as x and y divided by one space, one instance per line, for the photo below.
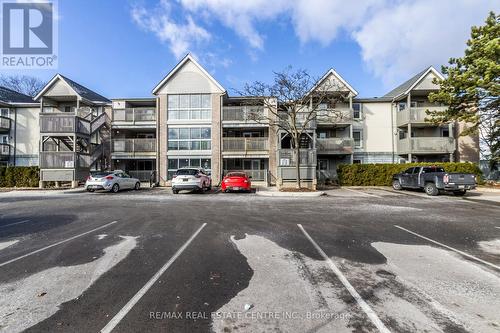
416 115
4 124
134 115
423 145
63 160
245 144
335 145
244 114
134 147
288 157
62 122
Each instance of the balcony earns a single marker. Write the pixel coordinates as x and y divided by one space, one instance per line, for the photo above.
63 122
4 124
288 157
139 117
426 145
133 148
63 160
416 115
4 151
255 115
246 146
335 146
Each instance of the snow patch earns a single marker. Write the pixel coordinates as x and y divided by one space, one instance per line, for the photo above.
4 245
492 247
102 236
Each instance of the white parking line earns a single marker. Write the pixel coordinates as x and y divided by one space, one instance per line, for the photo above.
130 304
55 244
450 248
361 302
497 227
362 193
8 225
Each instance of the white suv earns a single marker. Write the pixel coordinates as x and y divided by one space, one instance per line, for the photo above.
191 179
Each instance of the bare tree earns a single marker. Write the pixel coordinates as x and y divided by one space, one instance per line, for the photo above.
28 85
294 102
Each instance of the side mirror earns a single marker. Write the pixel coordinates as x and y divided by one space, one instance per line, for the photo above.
249 177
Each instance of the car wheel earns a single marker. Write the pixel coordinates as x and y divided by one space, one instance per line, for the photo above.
115 188
137 186
175 191
90 190
431 189
397 185
459 193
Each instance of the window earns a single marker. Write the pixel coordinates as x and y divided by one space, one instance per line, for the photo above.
5 112
356 161
189 138
177 163
409 171
4 139
445 132
401 106
356 110
402 135
357 139
189 107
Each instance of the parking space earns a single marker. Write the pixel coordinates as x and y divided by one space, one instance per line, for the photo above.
356 260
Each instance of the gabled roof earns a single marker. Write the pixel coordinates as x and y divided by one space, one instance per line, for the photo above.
13 97
79 90
181 63
338 77
407 86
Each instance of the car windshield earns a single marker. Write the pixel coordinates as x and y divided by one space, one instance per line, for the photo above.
186 172
236 174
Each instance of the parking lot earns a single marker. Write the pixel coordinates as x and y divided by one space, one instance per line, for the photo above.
356 260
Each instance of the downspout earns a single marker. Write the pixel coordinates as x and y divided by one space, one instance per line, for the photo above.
158 147
392 131
221 164
15 135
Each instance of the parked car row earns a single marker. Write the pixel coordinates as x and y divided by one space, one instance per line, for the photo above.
190 179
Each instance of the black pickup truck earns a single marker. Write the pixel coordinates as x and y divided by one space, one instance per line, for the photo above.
433 179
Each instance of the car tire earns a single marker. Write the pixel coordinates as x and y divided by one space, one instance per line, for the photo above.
137 186
459 193
115 188
175 191
90 190
396 185
431 189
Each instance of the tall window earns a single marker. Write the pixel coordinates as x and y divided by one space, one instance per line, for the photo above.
189 138
357 139
189 107
5 113
176 163
356 110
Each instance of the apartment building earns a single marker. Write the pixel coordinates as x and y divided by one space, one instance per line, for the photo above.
73 131
18 129
192 121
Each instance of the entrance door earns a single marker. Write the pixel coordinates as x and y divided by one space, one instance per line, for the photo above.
322 165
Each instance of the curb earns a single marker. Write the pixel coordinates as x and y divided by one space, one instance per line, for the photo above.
290 194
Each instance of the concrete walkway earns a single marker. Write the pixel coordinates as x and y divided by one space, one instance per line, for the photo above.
273 192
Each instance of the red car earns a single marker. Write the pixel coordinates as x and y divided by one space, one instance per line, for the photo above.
236 181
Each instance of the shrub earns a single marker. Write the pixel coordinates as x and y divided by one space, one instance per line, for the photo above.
19 176
381 174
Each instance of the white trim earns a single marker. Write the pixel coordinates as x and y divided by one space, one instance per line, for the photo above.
430 69
187 58
334 73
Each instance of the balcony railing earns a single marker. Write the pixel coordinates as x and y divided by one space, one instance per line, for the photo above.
426 145
4 124
288 157
245 144
335 145
63 160
334 116
4 151
255 114
416 115
134 116
62 122
134 147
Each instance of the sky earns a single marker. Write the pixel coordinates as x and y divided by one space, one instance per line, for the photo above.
123 48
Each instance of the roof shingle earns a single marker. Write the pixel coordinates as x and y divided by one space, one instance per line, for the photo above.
403 87
10 96
85 92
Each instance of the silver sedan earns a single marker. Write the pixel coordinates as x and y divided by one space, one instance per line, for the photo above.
112 181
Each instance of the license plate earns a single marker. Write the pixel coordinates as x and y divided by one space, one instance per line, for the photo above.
236 188
185 180
461 187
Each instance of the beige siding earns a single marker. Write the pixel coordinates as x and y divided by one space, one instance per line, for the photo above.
426 83
376 127
60 88
27 132
467 146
